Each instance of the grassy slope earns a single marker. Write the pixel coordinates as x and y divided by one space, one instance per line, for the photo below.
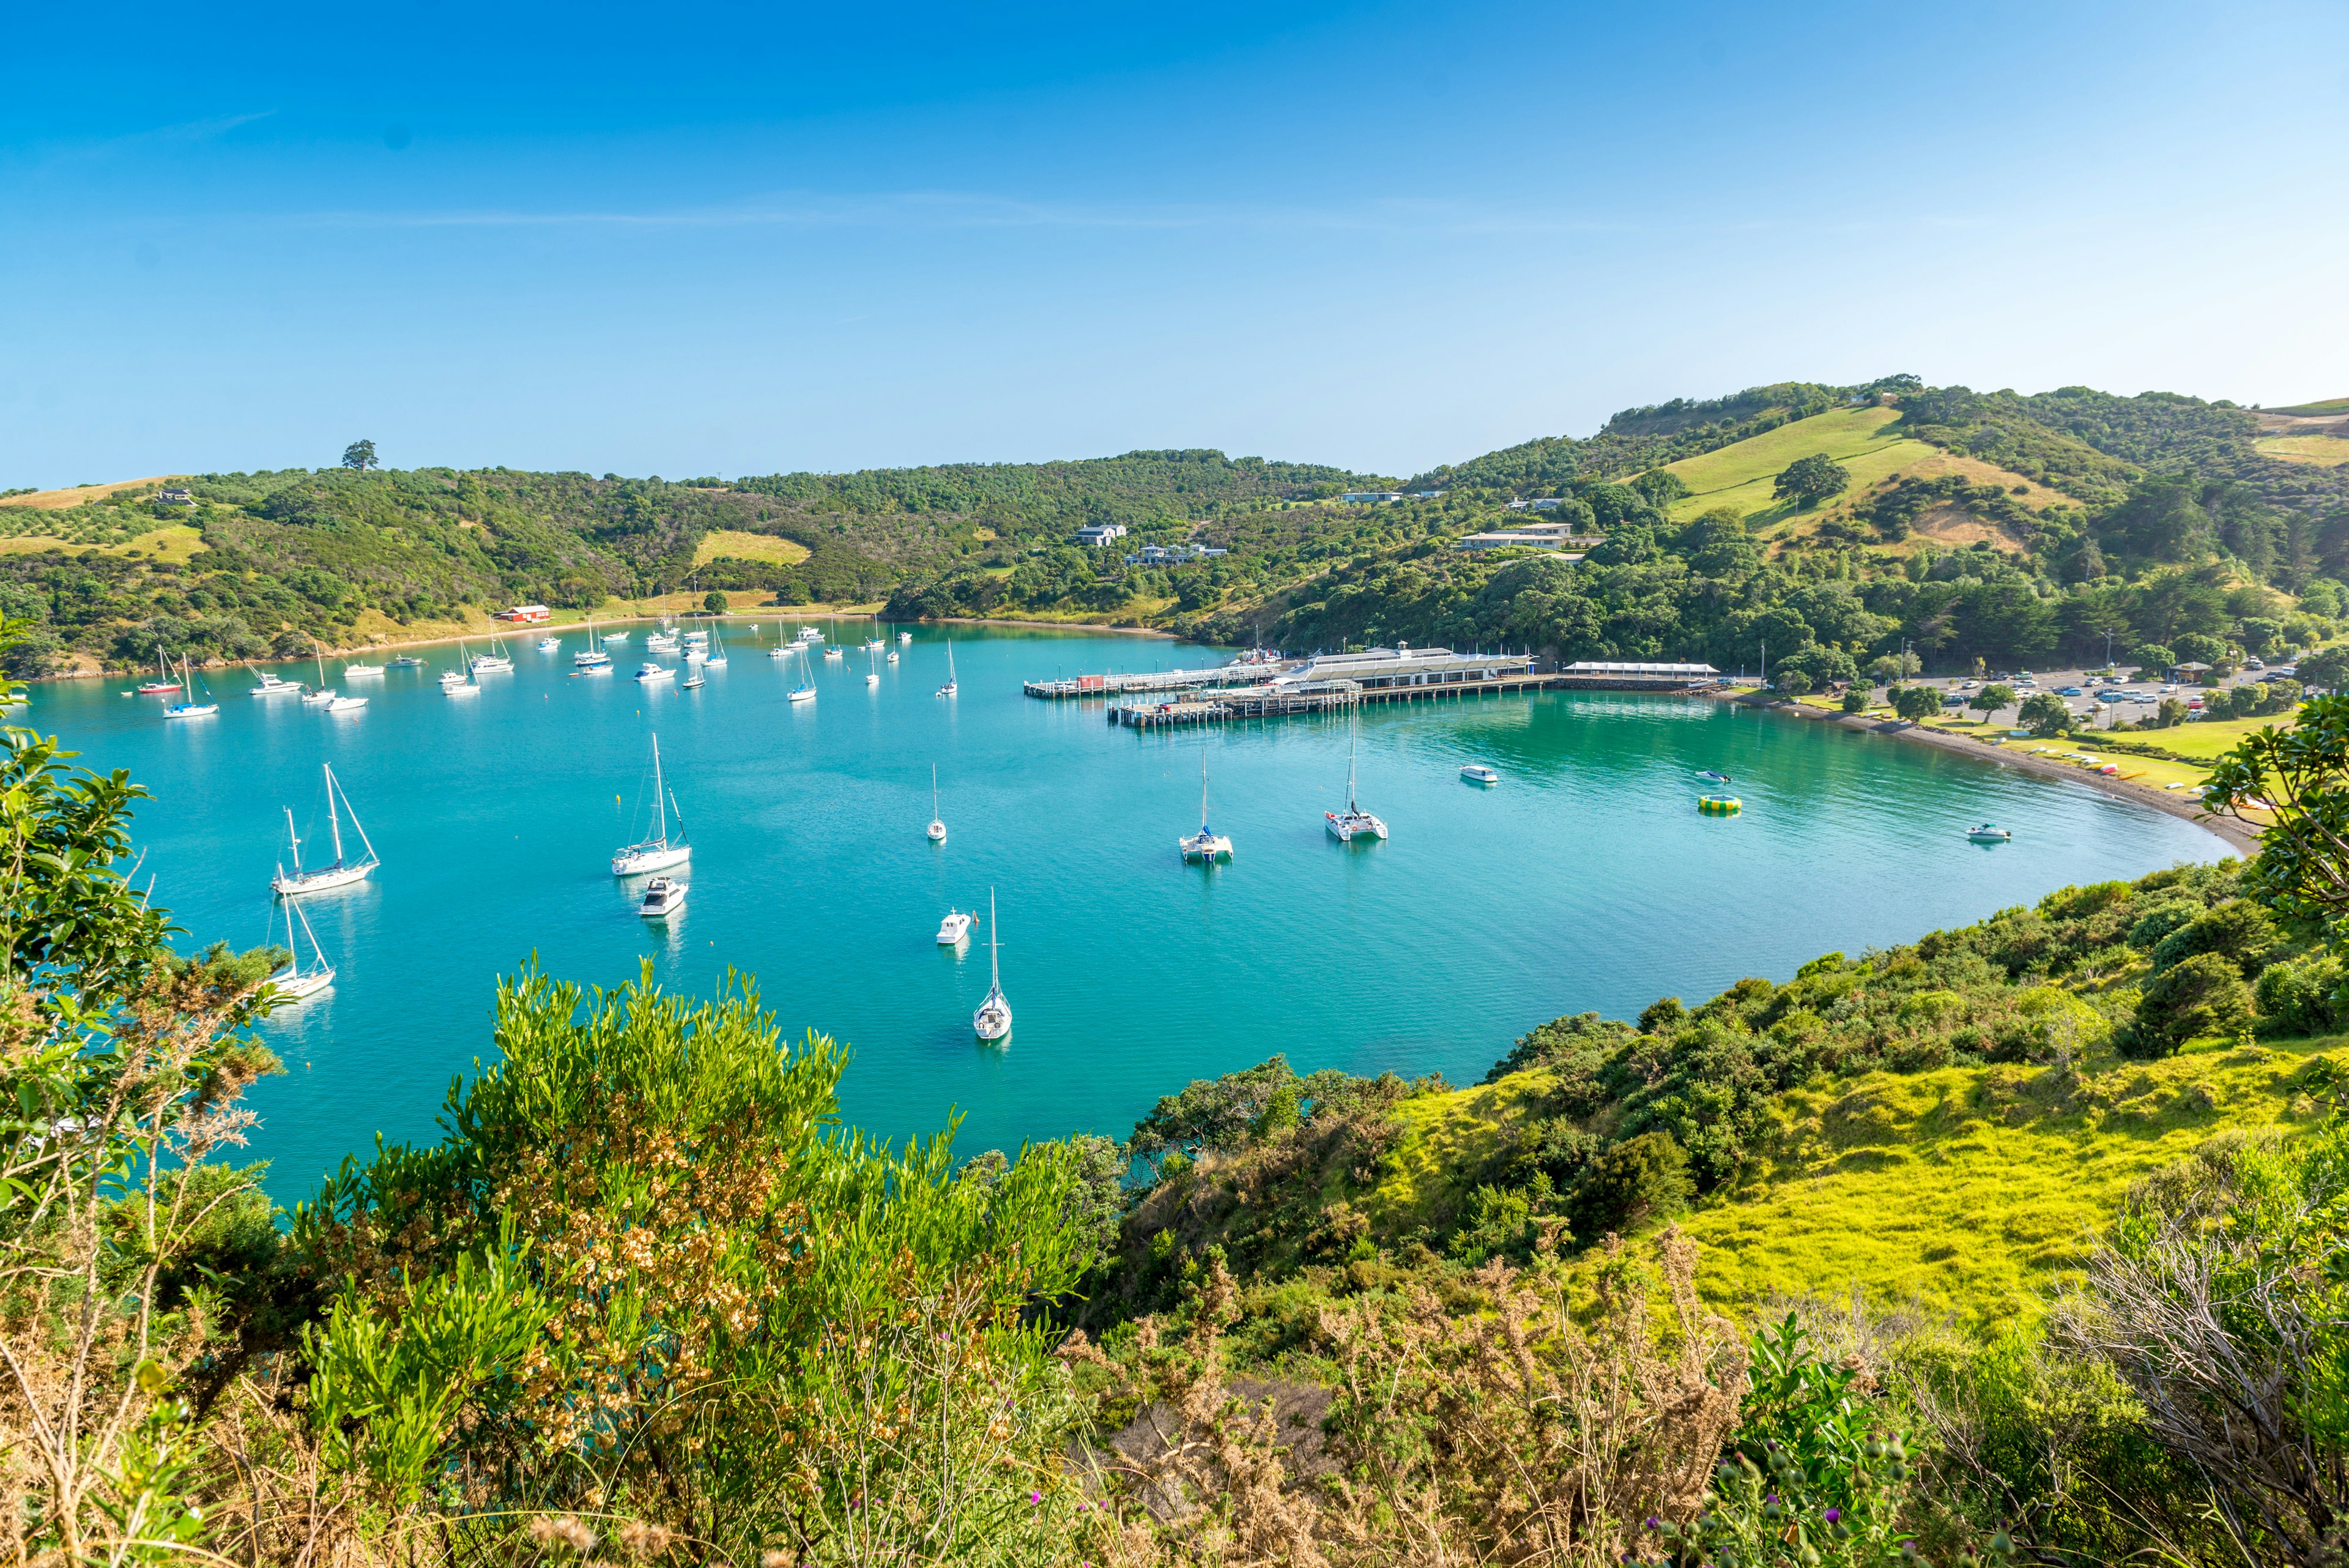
1859 439
1963 1190
2329 406
2325 451
74 496
745 547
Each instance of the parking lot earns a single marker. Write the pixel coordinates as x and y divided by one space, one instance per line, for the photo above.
2095 703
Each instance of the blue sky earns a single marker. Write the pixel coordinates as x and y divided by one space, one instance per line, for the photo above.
705 239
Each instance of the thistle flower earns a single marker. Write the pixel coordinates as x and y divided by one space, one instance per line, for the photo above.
774 1557
1833 1515
638 1538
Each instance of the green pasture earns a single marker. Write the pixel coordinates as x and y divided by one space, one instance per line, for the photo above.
1741 475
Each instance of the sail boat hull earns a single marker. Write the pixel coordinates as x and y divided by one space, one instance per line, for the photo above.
638 859
324 881
1204 846
294 987
992 1022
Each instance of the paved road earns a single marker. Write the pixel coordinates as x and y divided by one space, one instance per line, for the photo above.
2123 702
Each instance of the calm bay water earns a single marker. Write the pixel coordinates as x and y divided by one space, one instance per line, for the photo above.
1586 881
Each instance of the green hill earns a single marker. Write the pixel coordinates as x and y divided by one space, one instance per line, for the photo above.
1862 440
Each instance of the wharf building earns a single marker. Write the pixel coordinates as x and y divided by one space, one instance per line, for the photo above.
1376 669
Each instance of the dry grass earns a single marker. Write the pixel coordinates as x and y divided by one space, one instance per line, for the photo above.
77 495
174 541
2324 451
742 546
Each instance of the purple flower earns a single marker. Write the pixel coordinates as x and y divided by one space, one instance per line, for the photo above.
1771 1498
1035 1497
1834 1514
1654 1523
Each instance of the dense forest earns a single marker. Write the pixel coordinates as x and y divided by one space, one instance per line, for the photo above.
2172 525
643 1298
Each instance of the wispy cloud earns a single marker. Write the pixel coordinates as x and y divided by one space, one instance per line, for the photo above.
186 133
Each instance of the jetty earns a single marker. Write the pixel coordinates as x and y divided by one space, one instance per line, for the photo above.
1241 672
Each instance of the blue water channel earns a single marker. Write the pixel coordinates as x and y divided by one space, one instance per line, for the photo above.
1586 879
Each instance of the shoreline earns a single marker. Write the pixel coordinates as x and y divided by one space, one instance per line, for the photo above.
2235 833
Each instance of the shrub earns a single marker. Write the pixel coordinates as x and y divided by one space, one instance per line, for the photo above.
2201 995
2161 919
2297 998
1855 701
2238 929
1640 1179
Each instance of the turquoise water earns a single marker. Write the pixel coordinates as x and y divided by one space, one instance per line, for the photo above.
1586 879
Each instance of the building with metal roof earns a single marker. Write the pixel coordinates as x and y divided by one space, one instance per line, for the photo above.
1374 668
1641 671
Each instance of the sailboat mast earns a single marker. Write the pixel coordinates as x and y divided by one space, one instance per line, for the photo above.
296 838
993 948
336 788
660 801
333 819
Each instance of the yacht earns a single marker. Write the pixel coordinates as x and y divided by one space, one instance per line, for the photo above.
343 871
188 707
321 694
697 639
893 656
696 652
454 683
351 670
874 645
1477 772
548 644
953 928
1353 823
805 691
163 685
992 1022
612 636
1990 832
494 662
264 684
716 657
693 682
649 671
659 851
663 896
872 676
951 688
841 653
293 982
345 704
407 661
810 634
937 827
591 657
1205 845
905 636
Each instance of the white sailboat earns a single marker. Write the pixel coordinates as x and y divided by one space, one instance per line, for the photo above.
992 1022
937 827
163 685
343 872
873 644
716 657
1205 845
591 657
494 662
659 851
905 636
293 982
322 693
189 708
893 656
872 675
949 689
805 691
1353 823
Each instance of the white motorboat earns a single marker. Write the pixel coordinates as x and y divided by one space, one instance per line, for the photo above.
456 683
992 1022
407 661
949 689
293 982
1477 772
937 827
343 871
905 636
265 684
613 636
548 644
893 656
716 657
659 851
805 691
663 896
1990 832
189 708
953 928
693 682
345 704
649 671
810 634
1207 844
1353 823
351 670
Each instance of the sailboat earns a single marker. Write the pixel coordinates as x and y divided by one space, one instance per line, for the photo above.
992 1022
591 657
343 872
805 691
716 657
872 675
163 685
893 656
1205 845
905 636
189 708
458 683
1353 823
494 662
321 693
949 689
659 851
293 982
782 649
873 644
937 827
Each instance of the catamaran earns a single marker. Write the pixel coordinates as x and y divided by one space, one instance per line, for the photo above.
1205 845
949 689
293 982
659 851
1353 823
992 1022
189 708
805 691
937 827
343 872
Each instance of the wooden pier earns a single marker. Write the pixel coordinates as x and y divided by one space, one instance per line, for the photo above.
1337 696
1216 677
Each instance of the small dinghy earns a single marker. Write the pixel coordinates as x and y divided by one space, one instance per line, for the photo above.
1990 832
1477 772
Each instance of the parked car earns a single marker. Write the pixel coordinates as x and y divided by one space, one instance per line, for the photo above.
2070 691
